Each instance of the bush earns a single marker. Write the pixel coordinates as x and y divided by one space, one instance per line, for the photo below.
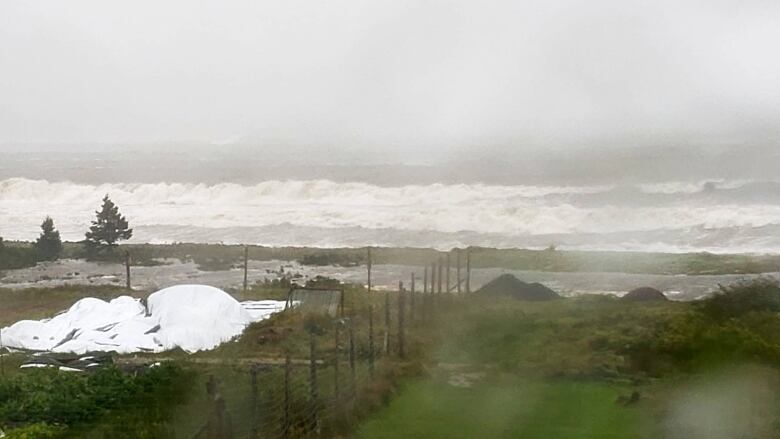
332 258
51 397
741 298
323 282
739 324
16 256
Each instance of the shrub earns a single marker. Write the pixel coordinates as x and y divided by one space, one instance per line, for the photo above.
16 256
51 397
743 297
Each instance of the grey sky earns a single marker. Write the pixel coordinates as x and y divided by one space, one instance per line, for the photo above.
392 74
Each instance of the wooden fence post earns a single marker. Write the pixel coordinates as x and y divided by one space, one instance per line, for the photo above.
401 335
246 268
432 298
425 294
468 270
255 423
352 377
369 265
457 258
371 350
387 322
127 268
286 419
313 391
441 269
412 294
448 273
2 356
336 361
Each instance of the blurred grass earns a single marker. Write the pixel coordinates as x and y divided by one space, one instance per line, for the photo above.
509 408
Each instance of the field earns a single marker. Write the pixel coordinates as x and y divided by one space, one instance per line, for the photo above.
595 368
476 366
506 408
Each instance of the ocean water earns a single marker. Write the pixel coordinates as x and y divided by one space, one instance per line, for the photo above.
715 215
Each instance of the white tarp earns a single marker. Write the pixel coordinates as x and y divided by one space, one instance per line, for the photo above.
191 317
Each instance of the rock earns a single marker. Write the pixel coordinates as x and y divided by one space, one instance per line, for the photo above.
644 294
508 285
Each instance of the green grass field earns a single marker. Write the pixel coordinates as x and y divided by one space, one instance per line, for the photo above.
510 408
487 366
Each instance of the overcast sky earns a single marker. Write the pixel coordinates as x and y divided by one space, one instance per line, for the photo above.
392 73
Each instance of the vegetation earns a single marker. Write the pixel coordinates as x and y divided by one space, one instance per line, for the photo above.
108 228
506 407
342 259
49 244
591 366
14 256
50 402
39 303
222 257
582 367
762 295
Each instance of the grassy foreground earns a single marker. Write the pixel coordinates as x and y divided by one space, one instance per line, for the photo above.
598 368
507 408
478 366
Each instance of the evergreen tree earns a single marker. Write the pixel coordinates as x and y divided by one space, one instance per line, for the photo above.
107 229
49 244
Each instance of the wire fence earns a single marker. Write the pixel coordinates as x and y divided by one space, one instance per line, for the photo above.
321 392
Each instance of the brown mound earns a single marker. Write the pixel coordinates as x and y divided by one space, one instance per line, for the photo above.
644 294
508 285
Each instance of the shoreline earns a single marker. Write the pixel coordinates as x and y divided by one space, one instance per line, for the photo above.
211 257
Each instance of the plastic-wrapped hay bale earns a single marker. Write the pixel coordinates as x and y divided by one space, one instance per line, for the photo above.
190 317
196 317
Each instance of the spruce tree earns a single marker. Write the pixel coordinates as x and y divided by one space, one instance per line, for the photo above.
49 244
108 228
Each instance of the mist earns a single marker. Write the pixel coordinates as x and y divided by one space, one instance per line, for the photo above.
620 125
390 79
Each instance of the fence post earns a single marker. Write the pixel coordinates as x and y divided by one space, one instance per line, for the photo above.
441 269
425 294
336 361
387 322
369 266
286 418
412 295
246 268
457 258
432 299
371 350
2 361
313 394
127 268
253 372
352 384
448 273
468 270
401 306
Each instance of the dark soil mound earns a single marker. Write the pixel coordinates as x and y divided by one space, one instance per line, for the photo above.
508 285
644 294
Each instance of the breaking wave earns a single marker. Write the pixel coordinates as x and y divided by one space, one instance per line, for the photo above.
674 216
